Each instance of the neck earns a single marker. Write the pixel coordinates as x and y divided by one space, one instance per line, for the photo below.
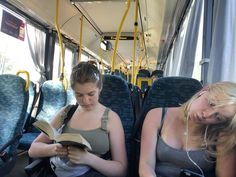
92 108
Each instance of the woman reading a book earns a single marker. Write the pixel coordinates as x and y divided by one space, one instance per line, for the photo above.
97 124
196 139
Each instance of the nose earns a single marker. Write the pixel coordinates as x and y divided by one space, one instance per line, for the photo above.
85 100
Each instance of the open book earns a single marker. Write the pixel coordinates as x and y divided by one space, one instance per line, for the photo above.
66 139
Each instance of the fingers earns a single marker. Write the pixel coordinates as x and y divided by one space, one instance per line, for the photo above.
60 150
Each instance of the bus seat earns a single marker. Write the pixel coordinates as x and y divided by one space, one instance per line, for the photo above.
165 92
70 97
116 95
144 81
51 99
32 99
13 106
144 73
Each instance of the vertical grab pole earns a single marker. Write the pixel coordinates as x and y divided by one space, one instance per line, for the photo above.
118 36
100 51
81 36
135 38
62 54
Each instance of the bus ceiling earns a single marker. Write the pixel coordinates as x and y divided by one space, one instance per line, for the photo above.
158 25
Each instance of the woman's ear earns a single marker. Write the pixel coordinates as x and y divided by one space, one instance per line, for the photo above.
204 90
201 93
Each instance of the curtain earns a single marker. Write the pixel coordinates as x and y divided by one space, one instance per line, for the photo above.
36 40
183 57
223 50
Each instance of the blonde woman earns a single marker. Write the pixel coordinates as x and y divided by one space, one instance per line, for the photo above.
197 139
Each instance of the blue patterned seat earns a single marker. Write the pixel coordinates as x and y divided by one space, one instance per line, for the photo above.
116 95
70 98
52 99
168 92
165 92
13 106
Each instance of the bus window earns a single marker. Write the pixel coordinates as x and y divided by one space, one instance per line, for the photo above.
20 54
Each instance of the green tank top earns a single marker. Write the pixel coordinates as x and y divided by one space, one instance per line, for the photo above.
98 138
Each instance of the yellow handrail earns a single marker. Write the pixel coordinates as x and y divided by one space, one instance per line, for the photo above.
62 56
81 36
27 78
118 36
135 38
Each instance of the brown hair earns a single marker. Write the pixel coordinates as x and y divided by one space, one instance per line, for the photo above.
85 72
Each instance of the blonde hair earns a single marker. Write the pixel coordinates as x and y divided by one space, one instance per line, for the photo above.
223 134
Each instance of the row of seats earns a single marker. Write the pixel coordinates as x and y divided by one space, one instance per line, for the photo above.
13 106
117 94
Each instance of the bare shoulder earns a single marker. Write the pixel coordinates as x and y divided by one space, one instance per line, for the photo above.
113 116
153 116
114 121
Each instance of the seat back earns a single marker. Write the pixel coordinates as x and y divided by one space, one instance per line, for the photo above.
70 97
165 92
168 92
51 99
116 95
144 81
13 106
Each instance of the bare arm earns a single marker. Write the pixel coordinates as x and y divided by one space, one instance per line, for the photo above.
113 168
148 143
226 164
42 146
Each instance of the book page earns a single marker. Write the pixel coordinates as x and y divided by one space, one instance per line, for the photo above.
46 128
73 139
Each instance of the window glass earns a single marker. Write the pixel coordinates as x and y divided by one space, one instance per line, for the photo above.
15 53
69 56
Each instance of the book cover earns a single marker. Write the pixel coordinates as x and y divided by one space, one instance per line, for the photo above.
66 139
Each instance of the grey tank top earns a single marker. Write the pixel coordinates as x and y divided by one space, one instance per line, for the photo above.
170 161
98 138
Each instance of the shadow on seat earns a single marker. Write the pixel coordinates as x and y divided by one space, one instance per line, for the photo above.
32 99
13 106
164 92
116 95
51 99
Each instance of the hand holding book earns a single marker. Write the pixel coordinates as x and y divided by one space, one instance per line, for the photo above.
66 139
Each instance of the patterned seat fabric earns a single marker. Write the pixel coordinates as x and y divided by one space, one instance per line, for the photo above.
168 92
116 95
52 99
165 92
13 106
70 98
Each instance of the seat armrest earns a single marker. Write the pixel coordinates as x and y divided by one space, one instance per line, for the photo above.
35 166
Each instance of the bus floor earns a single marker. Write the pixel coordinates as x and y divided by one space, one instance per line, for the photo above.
21 162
